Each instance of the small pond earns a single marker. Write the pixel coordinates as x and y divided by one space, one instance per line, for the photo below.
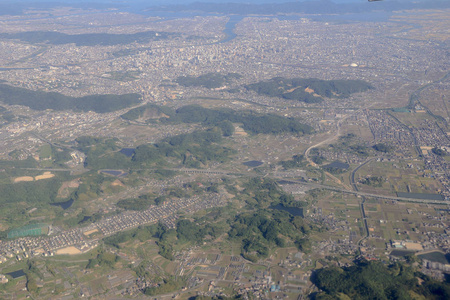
16 274
295 211
64 205
128 151
253 163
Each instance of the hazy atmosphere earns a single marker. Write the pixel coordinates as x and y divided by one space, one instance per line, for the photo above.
225 149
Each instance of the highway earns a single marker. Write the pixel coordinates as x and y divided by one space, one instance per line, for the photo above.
317 185
361 206
362 194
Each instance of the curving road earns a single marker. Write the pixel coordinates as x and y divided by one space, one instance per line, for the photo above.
328 140
361 206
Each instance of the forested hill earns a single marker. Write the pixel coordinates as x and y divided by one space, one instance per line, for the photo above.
209 80
251 122
148 111
374 280
88 39
309 90
39 100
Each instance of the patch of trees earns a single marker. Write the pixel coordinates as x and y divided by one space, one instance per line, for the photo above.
336 167
141 203
165 250
39 100
382 147
260 192
143 270
350 144
60 156
264 229
304 244
90 187
83 218
87 219
287 200
103 258
30 162
137 204
309 90
374 280
31 273
188 231
227 127
359 150
193 150
41 191
273 124
297 161
101 153
7 117
376 181
142 233
87 39
110 160
168 285
438 151
210 80
316 157
164 238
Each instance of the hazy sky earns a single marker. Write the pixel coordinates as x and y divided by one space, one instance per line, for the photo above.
150 2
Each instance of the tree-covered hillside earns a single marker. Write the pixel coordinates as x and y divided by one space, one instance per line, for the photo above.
210 80
148 111
39 100
374 280
252 122
309 90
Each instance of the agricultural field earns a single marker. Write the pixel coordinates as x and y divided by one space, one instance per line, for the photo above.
404 176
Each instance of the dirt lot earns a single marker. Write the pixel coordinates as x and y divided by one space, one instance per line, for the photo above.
23 178
46 175
68 250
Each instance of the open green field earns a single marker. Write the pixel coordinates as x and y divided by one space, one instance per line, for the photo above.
411 119
45 152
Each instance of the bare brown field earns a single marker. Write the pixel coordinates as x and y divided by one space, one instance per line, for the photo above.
46 175
90 232
117 182
68 250
64 190
23 178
